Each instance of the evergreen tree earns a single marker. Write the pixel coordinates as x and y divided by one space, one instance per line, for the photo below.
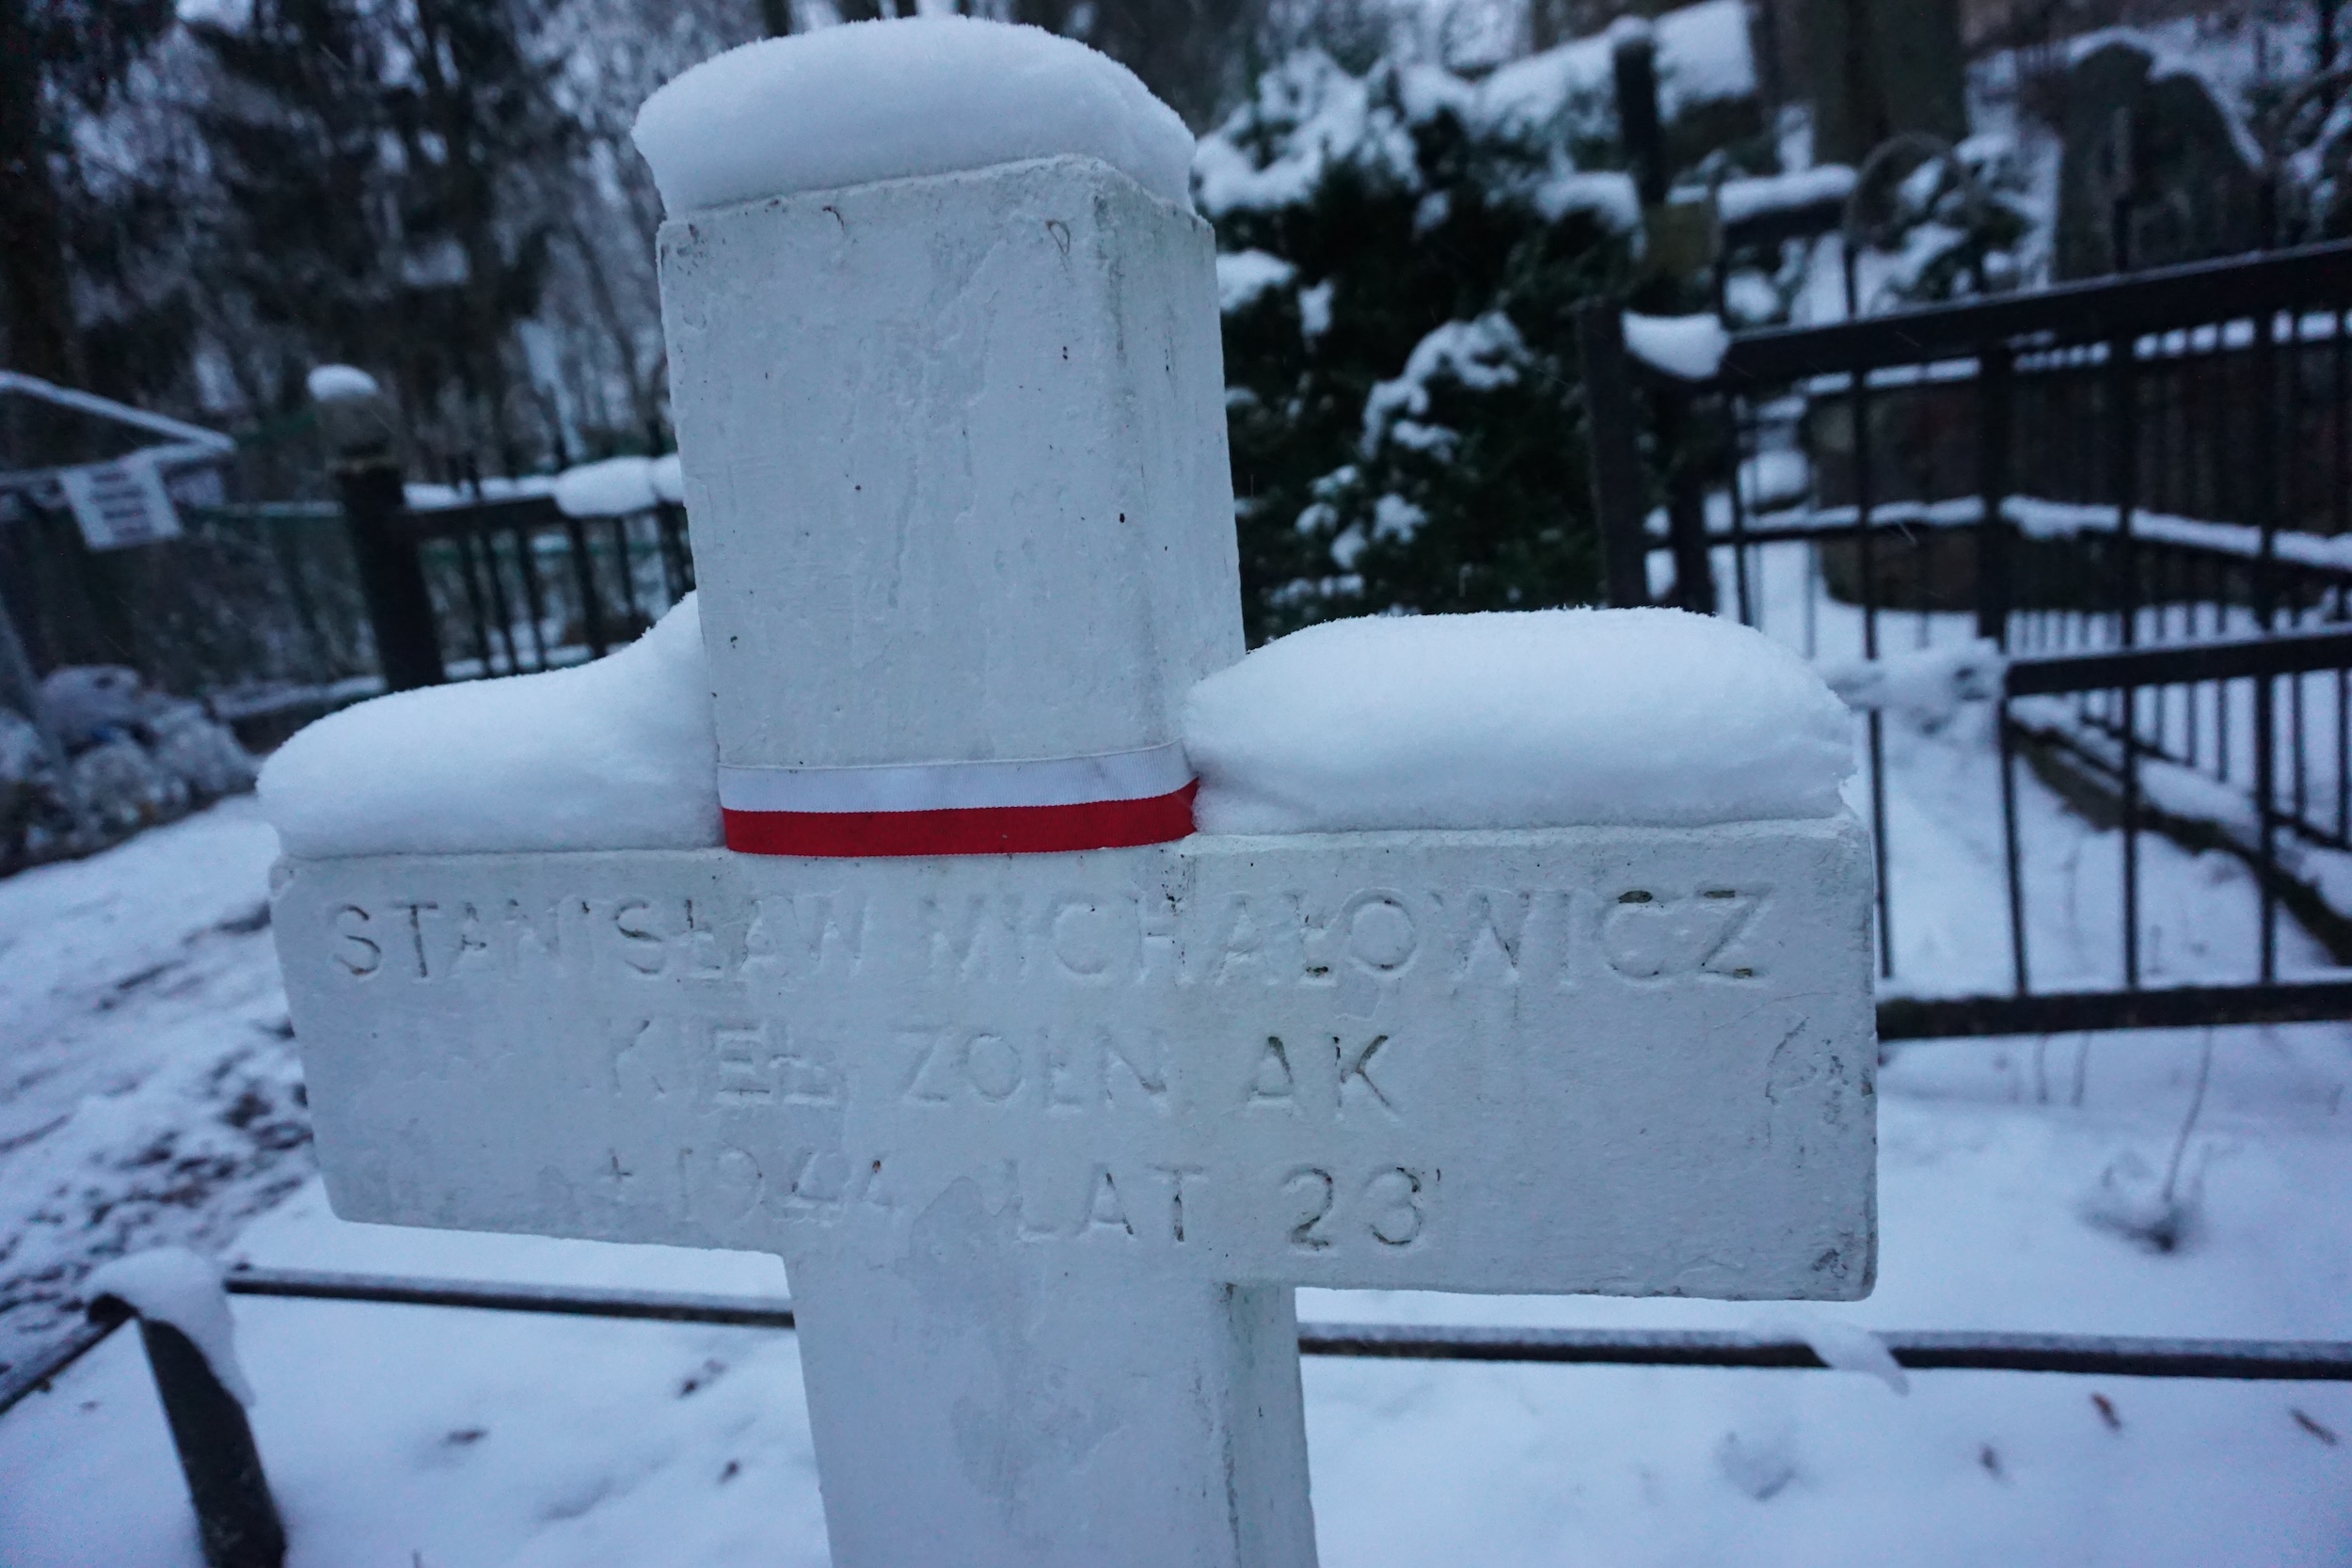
391 174
1196 55
1400 265
59 60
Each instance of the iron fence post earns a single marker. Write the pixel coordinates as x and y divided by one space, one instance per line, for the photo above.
584 583
363 461
1633 62
1994 381
2122 434
1686 502
1620 500
236 1518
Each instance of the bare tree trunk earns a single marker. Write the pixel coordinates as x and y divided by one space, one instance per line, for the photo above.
644 402
35 283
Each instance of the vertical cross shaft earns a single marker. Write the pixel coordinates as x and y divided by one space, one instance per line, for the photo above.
975 420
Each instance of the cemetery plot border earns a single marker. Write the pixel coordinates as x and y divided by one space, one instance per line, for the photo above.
239 1491
2109 1355
2141 490
516 585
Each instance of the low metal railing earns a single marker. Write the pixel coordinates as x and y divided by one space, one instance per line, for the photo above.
237 1518
2156 662
518 586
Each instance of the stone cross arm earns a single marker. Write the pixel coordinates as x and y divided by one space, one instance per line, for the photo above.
1565 1060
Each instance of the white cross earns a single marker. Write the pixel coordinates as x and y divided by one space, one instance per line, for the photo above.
1047 1140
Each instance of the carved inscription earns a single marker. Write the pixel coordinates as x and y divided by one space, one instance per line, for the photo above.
1645 937
730 1015
1390 1205
783 939
1064 1071
762 1062
728 1184
1339 1081
1479 937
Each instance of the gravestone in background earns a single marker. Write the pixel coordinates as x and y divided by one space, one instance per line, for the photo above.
2155 171
1047 1138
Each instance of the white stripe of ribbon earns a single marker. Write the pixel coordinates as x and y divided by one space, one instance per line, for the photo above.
1138 775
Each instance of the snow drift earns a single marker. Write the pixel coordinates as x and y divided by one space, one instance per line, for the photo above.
172 1285
894 100
1516 719
617 754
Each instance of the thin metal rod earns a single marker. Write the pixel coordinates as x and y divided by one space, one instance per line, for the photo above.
2323 1360
1958 1018
2234 660
33 1373
2124 432
1995 590
534 600
2009 857
499 605
565 1300
2312 276
1876 726
2320 1360
2266 609
584 582
1731 406
628 574
1867 564
2087 1354
464 543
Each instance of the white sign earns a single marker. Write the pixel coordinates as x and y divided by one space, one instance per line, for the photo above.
121 503
1046 1140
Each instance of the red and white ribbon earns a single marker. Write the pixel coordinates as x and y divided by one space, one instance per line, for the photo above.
1109 801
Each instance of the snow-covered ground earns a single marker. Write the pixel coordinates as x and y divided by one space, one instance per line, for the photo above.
150 1089
151 1096
405 1435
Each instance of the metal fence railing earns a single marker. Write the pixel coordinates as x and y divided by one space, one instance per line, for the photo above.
2138 491
246 601
238 1519
516 585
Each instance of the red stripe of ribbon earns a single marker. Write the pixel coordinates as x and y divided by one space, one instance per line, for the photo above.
967 831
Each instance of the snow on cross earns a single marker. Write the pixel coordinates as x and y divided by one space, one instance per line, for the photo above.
1046 1139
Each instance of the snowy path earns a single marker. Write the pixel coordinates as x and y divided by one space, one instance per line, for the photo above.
150 1091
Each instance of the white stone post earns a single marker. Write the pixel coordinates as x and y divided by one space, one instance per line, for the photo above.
975 421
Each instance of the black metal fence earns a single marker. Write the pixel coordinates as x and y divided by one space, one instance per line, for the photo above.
258 610
248 602
2136 490
516 585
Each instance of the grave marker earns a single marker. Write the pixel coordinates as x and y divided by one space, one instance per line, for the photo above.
2156 170
1046 1139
